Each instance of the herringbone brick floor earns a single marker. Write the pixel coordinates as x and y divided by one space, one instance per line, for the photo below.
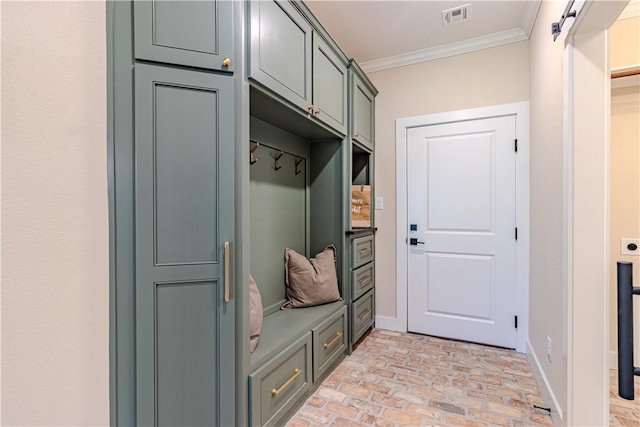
623 412
395 379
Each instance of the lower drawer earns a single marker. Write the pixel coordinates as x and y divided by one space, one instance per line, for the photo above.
362 315
362 279
276 386
329 342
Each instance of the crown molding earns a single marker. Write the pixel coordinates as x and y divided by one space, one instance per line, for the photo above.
529 17
631 11
484 42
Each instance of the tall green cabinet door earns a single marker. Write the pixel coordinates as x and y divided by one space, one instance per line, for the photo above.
193 33
280 50
329 85
184 216
363 115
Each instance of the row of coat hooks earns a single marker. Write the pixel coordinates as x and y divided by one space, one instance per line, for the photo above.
276 157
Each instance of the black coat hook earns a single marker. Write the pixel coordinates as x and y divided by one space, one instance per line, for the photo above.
300 160
275 161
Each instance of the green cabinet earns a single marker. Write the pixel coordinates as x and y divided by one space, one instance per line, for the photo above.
292 59
329 85
280 50
183 204
362 98
191 33
184 213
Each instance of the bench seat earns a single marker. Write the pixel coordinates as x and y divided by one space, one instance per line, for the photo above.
283 327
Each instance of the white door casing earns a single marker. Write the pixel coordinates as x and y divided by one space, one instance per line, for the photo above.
461 199
520 111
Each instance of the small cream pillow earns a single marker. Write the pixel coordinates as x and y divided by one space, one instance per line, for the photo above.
255 315
311 281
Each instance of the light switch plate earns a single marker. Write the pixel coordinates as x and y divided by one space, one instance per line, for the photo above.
379 203
626 245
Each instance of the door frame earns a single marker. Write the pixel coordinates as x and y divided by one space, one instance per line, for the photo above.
587 118
521 112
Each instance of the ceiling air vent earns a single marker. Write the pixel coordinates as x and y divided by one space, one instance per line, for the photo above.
456 14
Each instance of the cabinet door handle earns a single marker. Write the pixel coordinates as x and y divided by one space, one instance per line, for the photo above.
357 135
365 314
310 108
364 281
366 251
226 62
333 341
277 391
317 112
227 267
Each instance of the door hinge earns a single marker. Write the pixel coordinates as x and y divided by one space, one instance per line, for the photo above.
516 321
516 145
516 233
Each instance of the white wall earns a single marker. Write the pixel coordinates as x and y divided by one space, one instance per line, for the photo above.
493 76
625 191
625 164
55 289
546 299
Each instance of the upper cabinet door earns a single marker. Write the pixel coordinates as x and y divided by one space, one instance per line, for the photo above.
192 33
329 85
363 113
280 50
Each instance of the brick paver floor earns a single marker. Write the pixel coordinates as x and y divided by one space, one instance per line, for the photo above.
395 379
623 412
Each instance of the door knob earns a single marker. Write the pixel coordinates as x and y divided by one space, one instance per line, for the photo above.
226 62
414 242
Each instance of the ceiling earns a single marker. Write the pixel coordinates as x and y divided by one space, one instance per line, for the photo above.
382 34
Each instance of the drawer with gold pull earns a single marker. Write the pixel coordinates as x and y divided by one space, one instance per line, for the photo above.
362 279
277 386
329 342
362 315
362 250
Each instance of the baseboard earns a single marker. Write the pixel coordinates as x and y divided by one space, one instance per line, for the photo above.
389 324
545 388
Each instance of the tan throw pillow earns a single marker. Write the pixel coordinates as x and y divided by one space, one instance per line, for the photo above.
311 281
255 315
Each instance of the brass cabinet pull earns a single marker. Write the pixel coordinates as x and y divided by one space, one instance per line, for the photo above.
364 281
365 314
317 112
310 108
226 62
296 374
226 271
357 135
333 341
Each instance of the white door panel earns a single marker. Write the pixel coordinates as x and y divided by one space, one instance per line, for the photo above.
461 199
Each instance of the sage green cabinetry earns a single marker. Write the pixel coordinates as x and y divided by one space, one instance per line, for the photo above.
171 145
281 50
362 98
360 261
278 385
184 216
191 33
329 85
295 61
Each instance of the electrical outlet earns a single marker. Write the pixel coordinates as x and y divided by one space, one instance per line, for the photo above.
629 246
549 348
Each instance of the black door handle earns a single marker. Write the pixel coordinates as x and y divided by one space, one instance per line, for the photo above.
414 242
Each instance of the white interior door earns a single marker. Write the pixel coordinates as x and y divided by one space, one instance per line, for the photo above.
461 188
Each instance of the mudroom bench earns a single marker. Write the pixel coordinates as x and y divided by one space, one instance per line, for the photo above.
297 348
